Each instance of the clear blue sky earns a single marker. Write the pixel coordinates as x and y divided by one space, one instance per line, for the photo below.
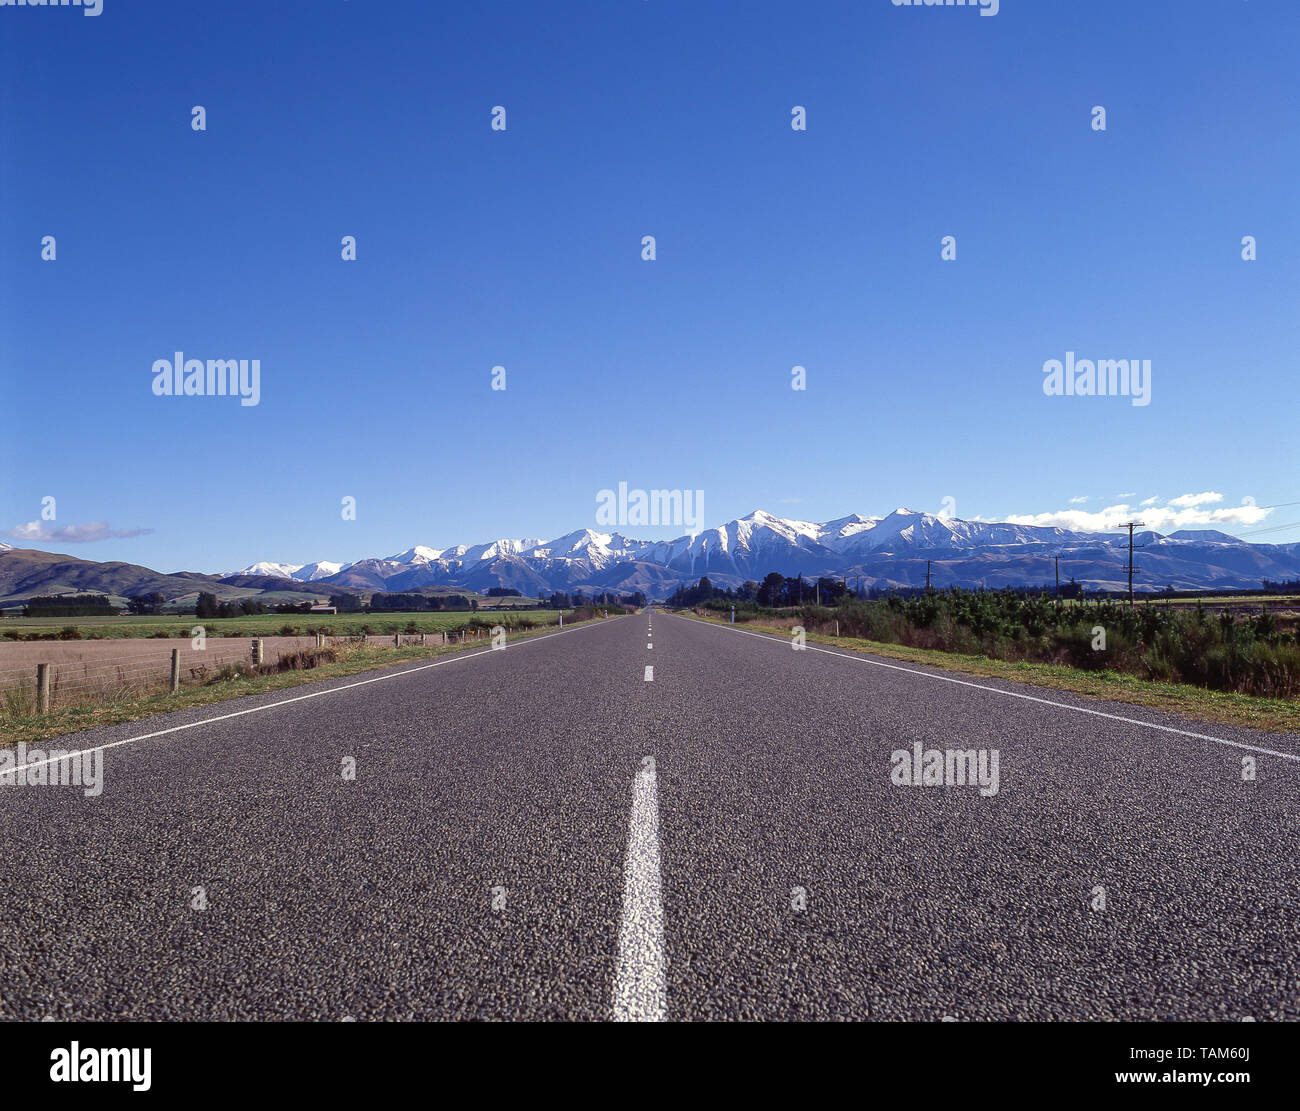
775 248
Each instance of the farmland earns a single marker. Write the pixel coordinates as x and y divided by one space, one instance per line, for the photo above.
268 624
97 683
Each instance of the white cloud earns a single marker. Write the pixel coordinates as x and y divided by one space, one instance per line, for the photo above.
1188 500
1079 500
1184 511
1130 494
73 534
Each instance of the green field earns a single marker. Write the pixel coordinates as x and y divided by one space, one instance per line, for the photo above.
272 624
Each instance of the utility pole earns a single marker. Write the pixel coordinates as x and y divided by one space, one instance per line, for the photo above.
927 576
1131 525
1058 580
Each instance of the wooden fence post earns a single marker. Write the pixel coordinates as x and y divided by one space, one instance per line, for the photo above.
42 688
176 670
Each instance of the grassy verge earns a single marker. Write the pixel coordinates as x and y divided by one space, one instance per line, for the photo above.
353 660
1193 703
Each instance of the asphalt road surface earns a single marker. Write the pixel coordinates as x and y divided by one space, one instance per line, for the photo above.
650 817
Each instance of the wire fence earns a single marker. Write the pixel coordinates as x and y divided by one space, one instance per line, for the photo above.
52 683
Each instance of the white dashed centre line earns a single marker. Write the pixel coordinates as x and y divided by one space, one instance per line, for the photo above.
640 984
649 673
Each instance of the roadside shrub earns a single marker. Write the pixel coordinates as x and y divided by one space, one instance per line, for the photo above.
1254 654
302 660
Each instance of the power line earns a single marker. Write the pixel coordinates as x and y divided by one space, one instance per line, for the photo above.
1271 528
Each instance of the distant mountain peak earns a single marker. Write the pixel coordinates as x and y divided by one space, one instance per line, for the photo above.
419 554
890 550
1205 536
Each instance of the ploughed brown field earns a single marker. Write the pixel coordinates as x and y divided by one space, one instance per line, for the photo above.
79 661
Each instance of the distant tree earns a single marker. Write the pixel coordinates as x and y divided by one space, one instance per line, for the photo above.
206 606
772 592
69 605
830 591
145 603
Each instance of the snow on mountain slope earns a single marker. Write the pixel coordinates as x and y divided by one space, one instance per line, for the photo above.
464 553
599 549
752 546
275 570
1204 536
844 532
418 554
321 569
476 553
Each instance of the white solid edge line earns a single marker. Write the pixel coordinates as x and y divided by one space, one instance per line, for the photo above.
1011 694
640 986
285 702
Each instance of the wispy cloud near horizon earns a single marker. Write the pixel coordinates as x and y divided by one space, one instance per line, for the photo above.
88 533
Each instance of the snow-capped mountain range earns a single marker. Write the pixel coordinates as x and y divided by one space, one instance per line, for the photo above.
890 550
